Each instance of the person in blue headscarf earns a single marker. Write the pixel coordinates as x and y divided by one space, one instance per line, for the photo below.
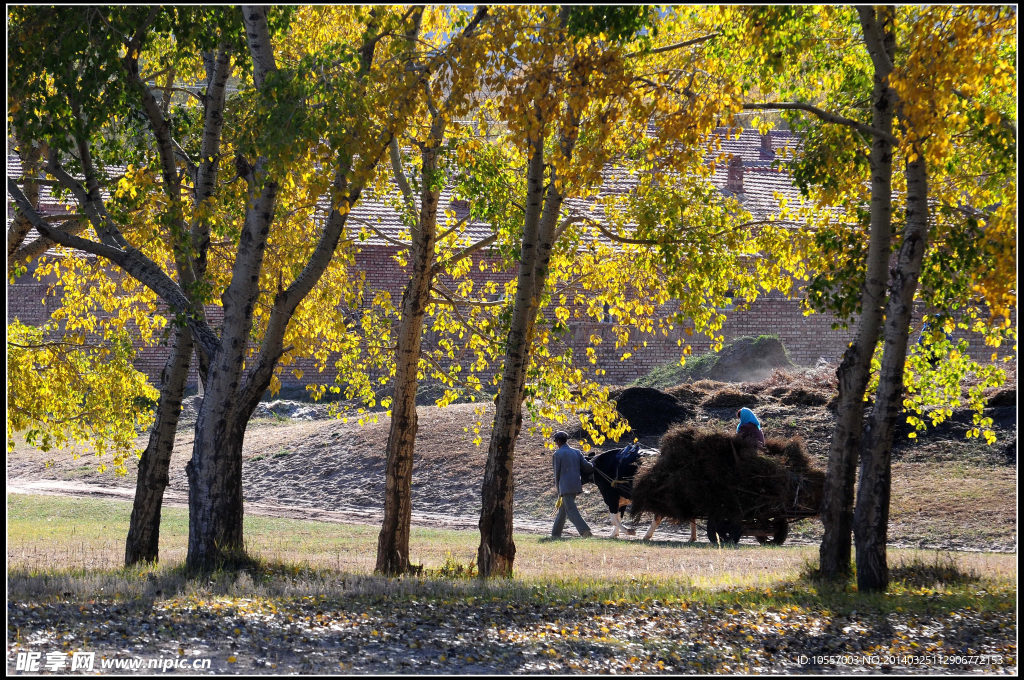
749 427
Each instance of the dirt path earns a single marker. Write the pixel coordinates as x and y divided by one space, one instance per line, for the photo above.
949 492
339 515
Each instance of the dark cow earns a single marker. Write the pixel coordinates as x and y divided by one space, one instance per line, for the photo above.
613 473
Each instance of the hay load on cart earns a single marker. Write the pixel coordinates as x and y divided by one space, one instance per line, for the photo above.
739 488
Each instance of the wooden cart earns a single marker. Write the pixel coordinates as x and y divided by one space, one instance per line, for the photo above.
769 530
766 522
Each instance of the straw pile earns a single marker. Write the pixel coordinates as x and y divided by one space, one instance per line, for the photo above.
703 473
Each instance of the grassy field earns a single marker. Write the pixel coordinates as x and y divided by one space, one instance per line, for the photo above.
44 531
312 604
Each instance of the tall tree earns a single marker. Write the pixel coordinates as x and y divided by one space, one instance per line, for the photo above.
192 32
95 81
443 100
888 46
948 57
143 540
856 148
582 90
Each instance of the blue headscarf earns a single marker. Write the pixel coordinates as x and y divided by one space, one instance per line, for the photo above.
747 416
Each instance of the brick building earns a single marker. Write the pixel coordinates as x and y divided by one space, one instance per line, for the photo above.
749 176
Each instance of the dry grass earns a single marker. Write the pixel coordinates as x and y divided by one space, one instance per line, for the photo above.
46 532
953 501
309 603
730 397
334 467
48 536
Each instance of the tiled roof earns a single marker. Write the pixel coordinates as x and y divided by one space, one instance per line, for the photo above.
381 213
47 202
762 178
761 184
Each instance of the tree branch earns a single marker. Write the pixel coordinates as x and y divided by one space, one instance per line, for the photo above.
657 242
31 158
873 31
464 253
382 235
481 14
824 115
129 259
286 301
89 200
455 227
36 248
400 179
257 34
675 46
450 298
206 174
477 331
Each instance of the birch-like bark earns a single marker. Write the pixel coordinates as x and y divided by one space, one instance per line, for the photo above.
215 470
871 517
209 161
257 35
344 195
215 531
854 371
497 550
143 541
31 162
393 540
496 553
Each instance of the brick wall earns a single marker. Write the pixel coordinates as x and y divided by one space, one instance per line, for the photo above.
807 338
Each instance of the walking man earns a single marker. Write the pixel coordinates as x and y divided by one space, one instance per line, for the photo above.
568 463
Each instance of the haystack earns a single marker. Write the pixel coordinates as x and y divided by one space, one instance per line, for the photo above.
650 411
704 473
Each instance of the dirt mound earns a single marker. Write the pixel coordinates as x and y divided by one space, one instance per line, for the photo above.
190 408
729 397
649 411
1004 397
687 394
747 359
284 409
705 473
801 397
295 410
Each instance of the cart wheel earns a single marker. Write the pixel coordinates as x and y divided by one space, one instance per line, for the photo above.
781 527
713 530
731 532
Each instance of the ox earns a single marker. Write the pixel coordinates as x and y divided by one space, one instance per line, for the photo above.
613 473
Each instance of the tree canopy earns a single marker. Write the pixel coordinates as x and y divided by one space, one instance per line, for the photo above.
211 158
